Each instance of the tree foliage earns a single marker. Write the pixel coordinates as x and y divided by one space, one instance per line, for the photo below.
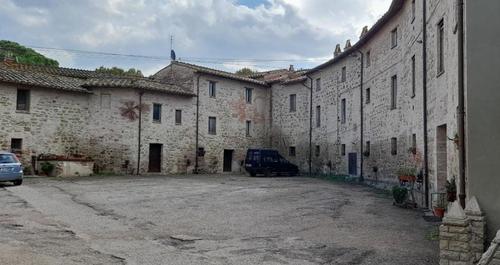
119 71
245 72
24 55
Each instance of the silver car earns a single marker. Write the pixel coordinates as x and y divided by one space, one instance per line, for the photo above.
10 168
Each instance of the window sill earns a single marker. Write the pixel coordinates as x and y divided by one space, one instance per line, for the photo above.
178 123
157 122
23 111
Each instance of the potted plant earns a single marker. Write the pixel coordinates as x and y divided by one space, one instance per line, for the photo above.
438 204
407 174
399 194
47 168
451 189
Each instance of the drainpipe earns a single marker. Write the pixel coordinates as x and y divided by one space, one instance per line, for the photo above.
310 123
361 177
461 102
424 94
141 93
197 123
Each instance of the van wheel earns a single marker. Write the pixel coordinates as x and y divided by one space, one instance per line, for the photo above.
17 182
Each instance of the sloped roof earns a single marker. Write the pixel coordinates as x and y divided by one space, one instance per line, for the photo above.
210 71
79 80
133 82
16 75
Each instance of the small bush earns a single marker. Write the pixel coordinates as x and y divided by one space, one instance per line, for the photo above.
47 168
399 194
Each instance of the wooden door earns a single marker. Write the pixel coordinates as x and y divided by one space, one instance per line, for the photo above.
155 157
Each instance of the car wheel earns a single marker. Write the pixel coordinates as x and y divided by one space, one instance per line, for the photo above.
253 174
267 173
17 182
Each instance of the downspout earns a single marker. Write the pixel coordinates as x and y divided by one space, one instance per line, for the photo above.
310 123
424 95
139 134
461 102
361 178
197 124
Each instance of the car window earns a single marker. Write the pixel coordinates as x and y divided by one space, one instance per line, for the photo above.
7 159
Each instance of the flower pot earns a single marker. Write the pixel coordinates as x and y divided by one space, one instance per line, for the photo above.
439 212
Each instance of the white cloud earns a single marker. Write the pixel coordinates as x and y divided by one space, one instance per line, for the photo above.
276 29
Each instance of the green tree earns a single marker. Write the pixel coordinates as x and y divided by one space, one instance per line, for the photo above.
245 72
119 71
24 55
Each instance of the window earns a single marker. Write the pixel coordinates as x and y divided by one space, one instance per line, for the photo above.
291 151
23 100
367 97
105 101
16 145
248 95
413 10
367 148
212 125
317 150
343 111
414 143
394 38
368 58
344 74
178 117
248 128
318 116
394 91
318 84
156 112
211 89
413 76
293 102
440 58
342 149
394 146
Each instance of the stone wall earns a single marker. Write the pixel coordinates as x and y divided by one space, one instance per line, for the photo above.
291 129
381 123
462 234
55 122
231 111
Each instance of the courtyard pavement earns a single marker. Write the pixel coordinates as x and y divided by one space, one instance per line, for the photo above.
216 219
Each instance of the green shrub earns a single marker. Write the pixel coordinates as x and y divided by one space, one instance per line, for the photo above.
399 194
47 168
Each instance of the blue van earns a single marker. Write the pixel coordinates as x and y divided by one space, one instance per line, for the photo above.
268 162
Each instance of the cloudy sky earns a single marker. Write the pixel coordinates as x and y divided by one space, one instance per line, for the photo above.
224 34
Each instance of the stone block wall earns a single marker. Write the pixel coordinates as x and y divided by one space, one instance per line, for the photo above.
231 111
291 129
462 234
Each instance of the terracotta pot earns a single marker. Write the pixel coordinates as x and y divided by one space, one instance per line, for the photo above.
439 212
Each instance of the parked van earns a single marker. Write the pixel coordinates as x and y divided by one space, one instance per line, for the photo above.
268 162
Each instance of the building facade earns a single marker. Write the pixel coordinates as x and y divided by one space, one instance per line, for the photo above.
387 103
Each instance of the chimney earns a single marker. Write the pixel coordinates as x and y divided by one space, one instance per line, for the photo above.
347 45
291 68
337 50
9 58
364 31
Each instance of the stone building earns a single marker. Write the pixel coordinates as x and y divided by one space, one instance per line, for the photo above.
390 101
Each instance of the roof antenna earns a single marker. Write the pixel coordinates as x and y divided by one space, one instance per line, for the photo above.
172 52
